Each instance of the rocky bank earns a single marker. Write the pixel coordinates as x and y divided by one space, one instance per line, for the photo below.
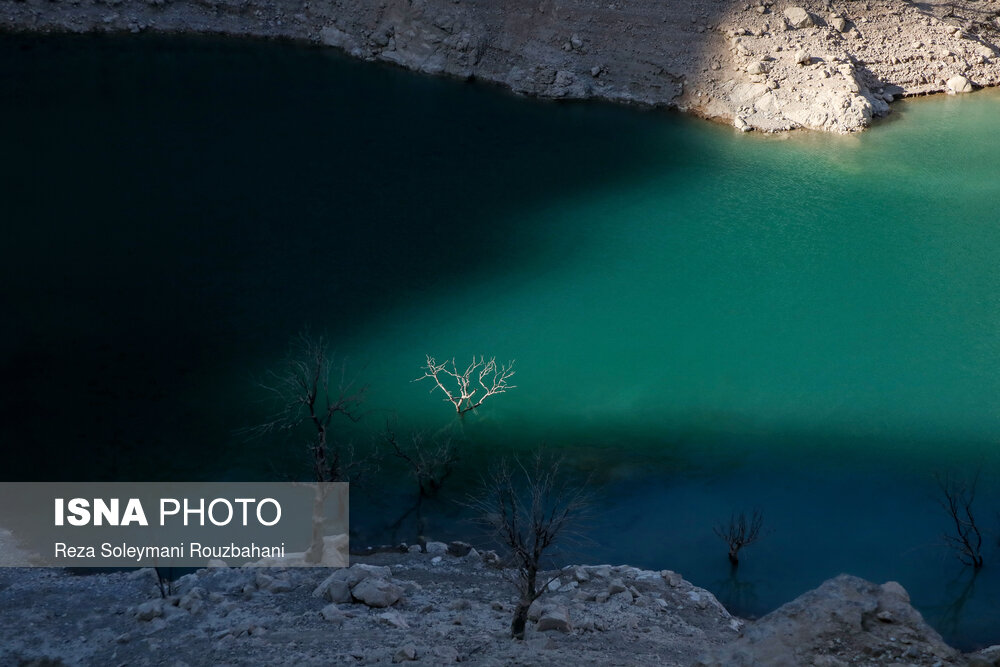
764 65
441 605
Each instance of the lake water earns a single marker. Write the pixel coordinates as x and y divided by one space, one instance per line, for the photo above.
704 321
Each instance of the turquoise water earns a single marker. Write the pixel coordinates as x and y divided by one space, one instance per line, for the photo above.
702 320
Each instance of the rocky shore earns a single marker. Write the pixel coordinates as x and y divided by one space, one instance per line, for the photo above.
829 65
444 604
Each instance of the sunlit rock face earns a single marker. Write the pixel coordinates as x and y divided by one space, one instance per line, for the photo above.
741 63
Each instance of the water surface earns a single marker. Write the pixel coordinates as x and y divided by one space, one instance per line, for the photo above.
705 321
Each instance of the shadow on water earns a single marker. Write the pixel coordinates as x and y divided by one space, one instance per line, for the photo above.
176 206
176 209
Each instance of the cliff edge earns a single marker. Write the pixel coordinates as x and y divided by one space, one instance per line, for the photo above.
761 65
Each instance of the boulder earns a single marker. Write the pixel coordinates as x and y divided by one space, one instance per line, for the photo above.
798 17
802 57
838 23
459 549
377 592
555 618
843 618
334 588
437 548
959 84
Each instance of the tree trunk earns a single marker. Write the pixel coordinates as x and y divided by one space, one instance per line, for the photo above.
520 620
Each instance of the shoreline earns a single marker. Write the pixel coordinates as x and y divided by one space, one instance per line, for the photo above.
763 67
436 606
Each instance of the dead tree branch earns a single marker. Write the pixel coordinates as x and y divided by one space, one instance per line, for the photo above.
956 497
740 532
430 462
313 391
528 508
467 390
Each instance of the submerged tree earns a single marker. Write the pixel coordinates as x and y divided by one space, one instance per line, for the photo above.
741 531
956 497
430 463
313 392
466 390
528 508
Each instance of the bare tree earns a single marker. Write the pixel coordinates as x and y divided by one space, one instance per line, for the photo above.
312 393
430 461
466 390
529 508
956 497
740 532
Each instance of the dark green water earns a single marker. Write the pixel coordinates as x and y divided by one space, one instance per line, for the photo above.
705 321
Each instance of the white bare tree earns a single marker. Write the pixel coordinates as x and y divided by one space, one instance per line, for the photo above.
466 390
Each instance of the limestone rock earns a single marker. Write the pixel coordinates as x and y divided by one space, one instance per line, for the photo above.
798 17
843 612
459 549
377 592
838 23
959 84
616 586
437 548
334 588
802 57
555 618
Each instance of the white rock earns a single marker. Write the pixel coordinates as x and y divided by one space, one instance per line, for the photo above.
555 618
802 57
798 17
334 588
959 84
377 593
437 548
